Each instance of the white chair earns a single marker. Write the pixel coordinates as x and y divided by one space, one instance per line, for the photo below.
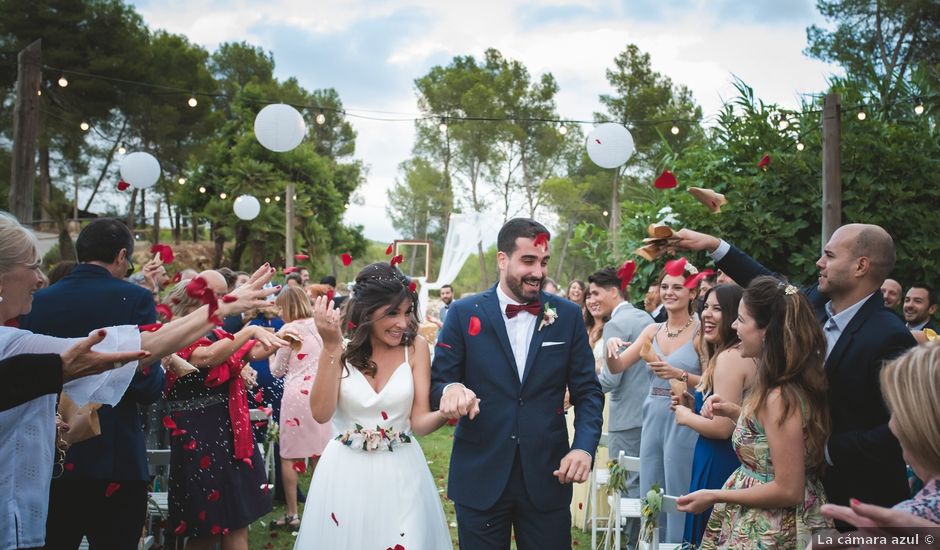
258 415
599 478
625 507
158 503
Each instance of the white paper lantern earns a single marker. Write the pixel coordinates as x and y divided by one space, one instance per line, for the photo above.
280 127
246 207
609 145
141 170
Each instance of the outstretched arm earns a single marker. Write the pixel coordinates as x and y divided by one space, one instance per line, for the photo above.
738 265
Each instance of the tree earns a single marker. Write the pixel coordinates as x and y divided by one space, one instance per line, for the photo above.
419 203
879 42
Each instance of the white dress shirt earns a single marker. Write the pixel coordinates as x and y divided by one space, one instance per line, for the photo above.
519 329
835 323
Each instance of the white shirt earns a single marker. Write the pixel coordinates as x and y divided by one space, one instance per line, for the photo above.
27 431
835 324
519 329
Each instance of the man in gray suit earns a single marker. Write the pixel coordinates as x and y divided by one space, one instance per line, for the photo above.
629 389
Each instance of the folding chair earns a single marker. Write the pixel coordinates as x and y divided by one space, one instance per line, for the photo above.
625 507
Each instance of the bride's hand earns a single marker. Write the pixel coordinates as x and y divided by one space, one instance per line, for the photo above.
326 316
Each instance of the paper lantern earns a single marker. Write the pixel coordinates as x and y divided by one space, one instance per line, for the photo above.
609 145
141 170
246 207
280 127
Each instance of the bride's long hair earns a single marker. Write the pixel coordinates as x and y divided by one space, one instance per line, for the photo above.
377 285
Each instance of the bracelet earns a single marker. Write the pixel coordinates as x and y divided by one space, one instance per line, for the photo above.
685 376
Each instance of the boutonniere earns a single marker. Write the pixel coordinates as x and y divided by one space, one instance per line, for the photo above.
549 314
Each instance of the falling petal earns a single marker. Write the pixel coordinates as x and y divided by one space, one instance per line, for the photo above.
764 162
300 467
301 257
384 415
541 240
164 311
666 180
626 273
388 251
181 528
169 423
300 356
445 346
346 258
152 327
165 252
204 462
123 185
190 445
111 488
214 495
676 268
397 260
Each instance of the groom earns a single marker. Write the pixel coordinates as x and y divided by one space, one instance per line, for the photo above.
502 363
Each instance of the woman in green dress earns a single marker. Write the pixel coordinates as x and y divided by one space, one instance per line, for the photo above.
773 500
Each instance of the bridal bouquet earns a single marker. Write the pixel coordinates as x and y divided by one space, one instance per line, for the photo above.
379 439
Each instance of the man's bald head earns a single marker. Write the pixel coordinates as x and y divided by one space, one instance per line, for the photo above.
215 280
874 243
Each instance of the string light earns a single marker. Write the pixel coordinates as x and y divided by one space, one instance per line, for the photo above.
63 82
562 129
346 205
783 124
443 125
861 114
223 196
122 149
321 118
605 213
39 92
84 126
674 130
277 198
800 146
192 100
267 200
182 181
202 189
919 108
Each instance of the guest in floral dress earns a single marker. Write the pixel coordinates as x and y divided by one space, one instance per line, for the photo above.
911 388
773 500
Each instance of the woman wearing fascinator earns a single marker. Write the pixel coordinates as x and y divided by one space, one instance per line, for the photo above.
372 487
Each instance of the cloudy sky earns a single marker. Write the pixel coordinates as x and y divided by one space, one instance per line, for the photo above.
371 51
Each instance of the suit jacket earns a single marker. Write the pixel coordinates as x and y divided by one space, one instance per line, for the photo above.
628 390
28 376
86 299
527 417
866 458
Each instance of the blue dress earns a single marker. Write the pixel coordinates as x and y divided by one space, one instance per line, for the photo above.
713 463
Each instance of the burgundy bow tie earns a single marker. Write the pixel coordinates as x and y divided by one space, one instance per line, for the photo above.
532 307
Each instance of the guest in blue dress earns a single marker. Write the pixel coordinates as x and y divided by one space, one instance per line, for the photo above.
725 373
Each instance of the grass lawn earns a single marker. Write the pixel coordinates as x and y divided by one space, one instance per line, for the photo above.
437 451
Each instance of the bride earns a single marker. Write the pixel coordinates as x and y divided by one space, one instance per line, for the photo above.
372 487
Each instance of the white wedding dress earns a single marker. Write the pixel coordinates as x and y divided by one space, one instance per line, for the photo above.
380 498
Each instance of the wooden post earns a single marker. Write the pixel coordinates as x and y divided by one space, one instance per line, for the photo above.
614 226
25 132
289 229
831 166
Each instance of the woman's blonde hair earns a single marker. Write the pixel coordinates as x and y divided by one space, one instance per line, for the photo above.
180 302
911 388
294 304
18 245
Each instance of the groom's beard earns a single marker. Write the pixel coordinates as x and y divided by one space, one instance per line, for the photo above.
517 288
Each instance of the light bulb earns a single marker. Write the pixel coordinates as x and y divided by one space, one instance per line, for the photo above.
675 132
800 146
182 181
121 150
346 205
202 189
919 109
862 115
277 198
605 213
84 126
321 118
192 101
39 92
267 200
783 125
442 127
562 129
223 196
63 82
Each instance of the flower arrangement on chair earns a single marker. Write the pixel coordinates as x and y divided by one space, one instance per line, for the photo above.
652 505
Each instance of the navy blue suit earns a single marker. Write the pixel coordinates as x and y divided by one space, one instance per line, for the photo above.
520 435
86 299
866 457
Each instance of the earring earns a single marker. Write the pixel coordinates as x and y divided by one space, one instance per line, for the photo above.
1 298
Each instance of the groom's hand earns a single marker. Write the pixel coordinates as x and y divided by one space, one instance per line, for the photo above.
459 400
575 466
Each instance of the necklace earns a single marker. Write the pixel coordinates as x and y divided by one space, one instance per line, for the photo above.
680 331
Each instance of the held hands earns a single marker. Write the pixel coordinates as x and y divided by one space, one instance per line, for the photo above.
575 466
697 502
687 401
459 400
327 317
693 240
250 295
80 360
715 405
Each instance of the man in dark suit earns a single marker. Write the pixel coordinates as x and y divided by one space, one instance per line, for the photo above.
503 360
864 458
920 305
103 493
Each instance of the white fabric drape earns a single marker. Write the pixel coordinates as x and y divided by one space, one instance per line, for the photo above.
464 232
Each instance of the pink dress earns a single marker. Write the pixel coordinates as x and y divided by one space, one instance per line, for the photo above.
301 435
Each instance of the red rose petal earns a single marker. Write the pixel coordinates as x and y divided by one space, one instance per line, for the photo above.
397 260
69 466
346 258
300 467
666 180
176 433
329 295
214 495
190 445
267 410
181 528
111 488
412 286
305 391
164 311
306 378
169 423
202 515
123 185
676 268
333 517
165 252
300 356
351 326
388 251
249 463
301 257
764 162
260 424
178 277
216 530
541 240
626 273
259 396
266 488
205 461
445 346
228 299
475 326
693 281
152 327
289 270
384 415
